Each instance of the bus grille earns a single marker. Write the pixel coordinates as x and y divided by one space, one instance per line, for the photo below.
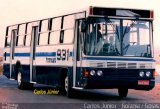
120 73
121 65
132 65
111 64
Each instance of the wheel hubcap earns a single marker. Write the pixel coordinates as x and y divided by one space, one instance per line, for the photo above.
19 78
66 84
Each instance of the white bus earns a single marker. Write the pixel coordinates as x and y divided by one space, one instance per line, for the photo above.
97 48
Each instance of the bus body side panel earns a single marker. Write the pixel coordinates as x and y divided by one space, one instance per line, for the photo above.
49 75
6 62
6 70
49 62
21 57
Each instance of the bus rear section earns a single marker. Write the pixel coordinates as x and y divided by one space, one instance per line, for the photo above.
42 51
98 48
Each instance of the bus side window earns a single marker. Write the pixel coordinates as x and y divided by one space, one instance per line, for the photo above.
55 30
68 25
54 37
21 34
8 37
28 34
8 42
61 36
68 36
43 38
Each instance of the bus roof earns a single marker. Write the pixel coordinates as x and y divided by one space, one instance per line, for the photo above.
107 12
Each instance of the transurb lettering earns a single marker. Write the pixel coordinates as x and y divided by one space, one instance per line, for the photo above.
51 60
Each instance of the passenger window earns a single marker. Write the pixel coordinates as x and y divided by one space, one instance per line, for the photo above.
68 36
68 22
54 37
43 36
21 34
21 40
14 35
28 34
8 37
8 41
55 30
56 23
28 40
29 28
44 26
43 39
9 31
22 29
68 25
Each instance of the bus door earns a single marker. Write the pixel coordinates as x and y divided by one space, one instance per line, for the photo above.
12 50
77 55
34 36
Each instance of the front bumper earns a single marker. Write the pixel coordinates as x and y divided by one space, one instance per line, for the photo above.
108 83
118 78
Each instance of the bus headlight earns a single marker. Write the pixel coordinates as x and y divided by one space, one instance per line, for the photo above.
148 73
92 72
99 73
141 74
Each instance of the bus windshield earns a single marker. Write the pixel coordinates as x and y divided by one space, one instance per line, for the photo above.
118 37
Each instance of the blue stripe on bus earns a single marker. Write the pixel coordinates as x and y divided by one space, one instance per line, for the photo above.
22 54
7 54
118 59
39 54
71 54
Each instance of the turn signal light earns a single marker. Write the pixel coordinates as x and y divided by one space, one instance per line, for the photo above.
154 73
86 73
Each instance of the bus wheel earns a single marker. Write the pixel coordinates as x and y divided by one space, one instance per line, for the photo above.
20 80
68 88
21 83
122 92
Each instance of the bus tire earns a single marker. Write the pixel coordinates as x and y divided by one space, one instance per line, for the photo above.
122 92
62 85
21 83
68 88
